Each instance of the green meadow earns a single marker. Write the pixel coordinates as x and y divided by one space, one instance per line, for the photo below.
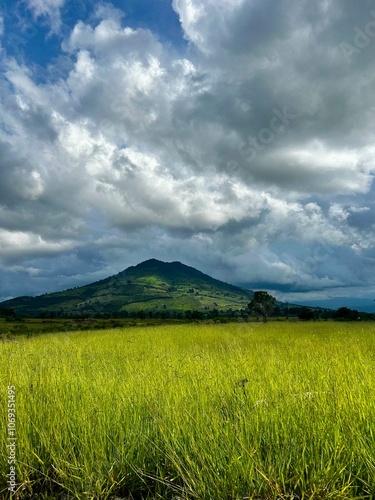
193 411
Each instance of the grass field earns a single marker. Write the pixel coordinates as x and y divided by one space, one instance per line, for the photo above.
237 411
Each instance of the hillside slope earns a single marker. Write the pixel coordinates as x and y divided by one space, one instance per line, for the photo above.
150 286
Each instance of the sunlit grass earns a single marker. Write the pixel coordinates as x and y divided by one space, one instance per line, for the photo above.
199 411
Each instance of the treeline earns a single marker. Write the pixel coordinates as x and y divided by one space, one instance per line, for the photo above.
341 314
217 315
147 314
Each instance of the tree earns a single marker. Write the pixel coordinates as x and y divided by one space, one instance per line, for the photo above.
306 314
6 312
344 313
263 304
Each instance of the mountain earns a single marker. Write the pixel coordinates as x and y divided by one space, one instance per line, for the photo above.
150 286
366 305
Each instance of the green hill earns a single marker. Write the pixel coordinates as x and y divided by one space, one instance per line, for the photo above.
150 286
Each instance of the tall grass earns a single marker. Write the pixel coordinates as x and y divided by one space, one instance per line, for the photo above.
195 411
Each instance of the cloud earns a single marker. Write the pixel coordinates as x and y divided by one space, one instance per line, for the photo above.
274 56
250 154
14 243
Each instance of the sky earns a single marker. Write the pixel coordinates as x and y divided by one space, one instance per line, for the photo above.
235 136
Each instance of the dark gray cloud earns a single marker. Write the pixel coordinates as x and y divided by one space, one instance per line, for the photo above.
249 155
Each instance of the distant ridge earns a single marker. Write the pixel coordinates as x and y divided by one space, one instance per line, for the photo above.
152 285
